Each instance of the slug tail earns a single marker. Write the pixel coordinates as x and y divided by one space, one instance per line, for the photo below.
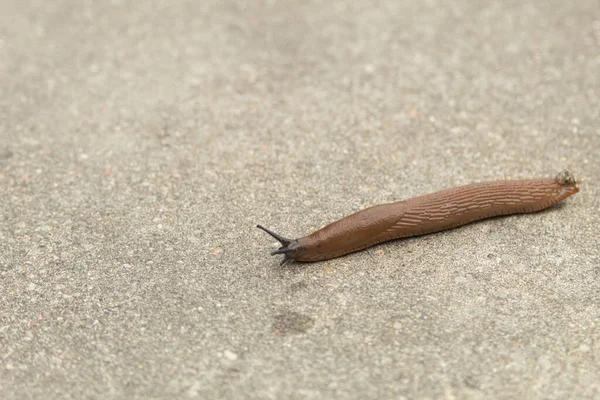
567 178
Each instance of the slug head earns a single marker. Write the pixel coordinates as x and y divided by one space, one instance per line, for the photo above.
288 246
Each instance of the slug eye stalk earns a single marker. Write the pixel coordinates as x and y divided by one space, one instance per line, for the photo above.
287 245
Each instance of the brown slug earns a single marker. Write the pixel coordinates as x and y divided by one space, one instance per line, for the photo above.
430 213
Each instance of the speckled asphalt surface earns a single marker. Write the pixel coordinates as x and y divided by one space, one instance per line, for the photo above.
140 144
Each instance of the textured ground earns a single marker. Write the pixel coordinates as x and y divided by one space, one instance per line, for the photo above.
140 143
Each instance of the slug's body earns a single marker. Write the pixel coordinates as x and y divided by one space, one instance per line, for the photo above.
427 214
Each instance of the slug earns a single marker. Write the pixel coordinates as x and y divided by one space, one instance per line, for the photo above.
433 212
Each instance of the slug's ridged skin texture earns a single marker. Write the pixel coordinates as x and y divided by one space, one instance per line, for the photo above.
430 213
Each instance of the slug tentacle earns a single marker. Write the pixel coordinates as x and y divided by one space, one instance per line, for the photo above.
284 241
430 213
288 245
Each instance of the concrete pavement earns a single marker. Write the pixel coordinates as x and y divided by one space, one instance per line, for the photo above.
140 144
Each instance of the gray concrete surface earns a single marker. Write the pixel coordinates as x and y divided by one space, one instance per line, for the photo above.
142 141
